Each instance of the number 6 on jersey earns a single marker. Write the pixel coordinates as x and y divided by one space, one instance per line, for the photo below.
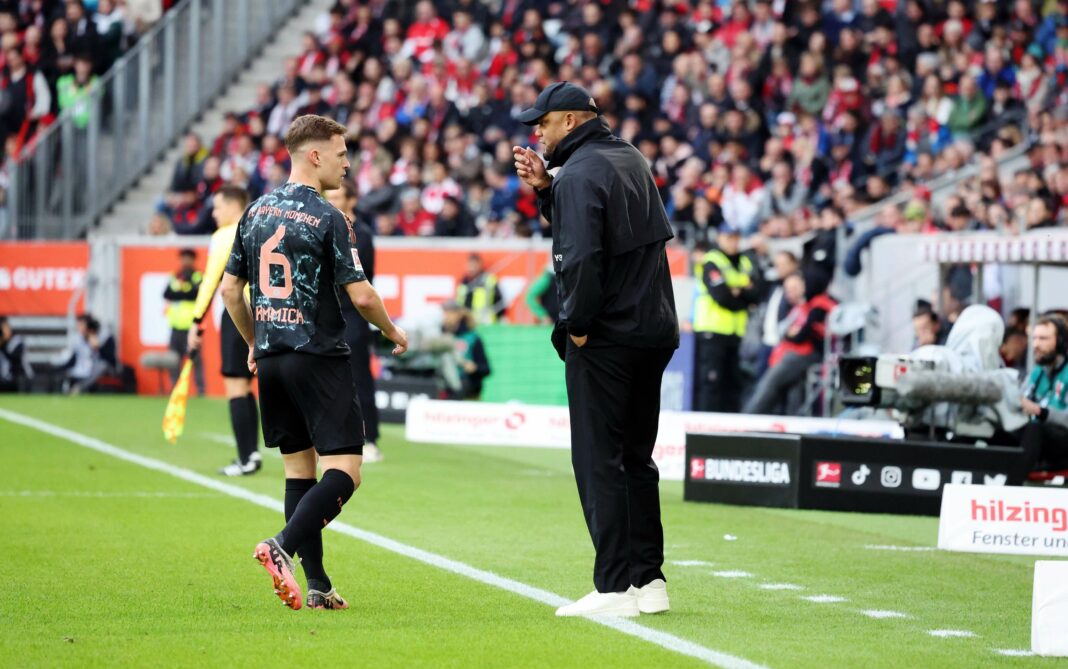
268 257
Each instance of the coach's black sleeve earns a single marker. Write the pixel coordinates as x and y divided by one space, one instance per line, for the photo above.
365 246
545 201
578 208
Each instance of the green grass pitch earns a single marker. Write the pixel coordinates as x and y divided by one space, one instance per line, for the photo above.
112 564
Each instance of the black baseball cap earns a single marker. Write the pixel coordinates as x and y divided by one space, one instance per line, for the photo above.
561 96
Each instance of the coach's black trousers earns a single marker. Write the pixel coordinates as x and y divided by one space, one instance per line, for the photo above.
359 338
613 394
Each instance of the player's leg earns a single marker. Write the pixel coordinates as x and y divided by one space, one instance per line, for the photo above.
645 533
245 422
324 391
244 417
594 375
321 592
284 428
311 505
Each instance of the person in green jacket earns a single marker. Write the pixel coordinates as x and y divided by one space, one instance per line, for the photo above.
811 87
1045 401
542 298
969 109
469 358
73 90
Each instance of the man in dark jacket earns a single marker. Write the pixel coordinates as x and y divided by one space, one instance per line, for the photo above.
616 334
357 331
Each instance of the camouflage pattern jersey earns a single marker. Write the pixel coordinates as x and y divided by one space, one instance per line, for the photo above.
295 249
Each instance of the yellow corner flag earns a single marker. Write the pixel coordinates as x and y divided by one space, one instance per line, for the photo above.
174 416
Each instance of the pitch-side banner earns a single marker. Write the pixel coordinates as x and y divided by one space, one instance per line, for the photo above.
41 278
1004 519
481 423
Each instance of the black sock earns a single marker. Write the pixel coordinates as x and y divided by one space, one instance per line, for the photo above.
253 424
318 507
311 551
245 423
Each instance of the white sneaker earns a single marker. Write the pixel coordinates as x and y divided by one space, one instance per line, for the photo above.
371 453
652 597
602 604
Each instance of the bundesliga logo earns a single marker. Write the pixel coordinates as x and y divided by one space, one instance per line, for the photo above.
829 474
697 468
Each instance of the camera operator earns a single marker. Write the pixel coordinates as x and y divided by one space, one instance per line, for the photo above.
1045 400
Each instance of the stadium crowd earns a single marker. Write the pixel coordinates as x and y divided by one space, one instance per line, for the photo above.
51 52
763 119
759 114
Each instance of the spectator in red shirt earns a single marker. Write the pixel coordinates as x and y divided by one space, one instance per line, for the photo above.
413 220
427 30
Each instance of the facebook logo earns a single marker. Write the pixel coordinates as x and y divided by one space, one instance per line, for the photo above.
961 478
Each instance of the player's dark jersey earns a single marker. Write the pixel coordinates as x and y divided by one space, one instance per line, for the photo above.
295 249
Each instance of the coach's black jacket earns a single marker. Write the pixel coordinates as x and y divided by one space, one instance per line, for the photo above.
609 228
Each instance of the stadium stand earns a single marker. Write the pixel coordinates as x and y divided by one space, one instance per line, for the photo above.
757 113
40 45
812 127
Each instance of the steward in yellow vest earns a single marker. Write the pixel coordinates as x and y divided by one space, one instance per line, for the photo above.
480 293
181 296
727 287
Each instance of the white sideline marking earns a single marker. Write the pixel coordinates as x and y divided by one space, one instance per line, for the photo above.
99 493
904 549
662 639
732 574
881 614
824 599
691 563
952 634
780 586
1009 652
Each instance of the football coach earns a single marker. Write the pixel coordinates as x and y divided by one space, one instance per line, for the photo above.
616 333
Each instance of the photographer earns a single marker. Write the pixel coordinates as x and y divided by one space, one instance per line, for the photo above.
1045 400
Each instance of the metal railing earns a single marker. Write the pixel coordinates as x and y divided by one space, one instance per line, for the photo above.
73 172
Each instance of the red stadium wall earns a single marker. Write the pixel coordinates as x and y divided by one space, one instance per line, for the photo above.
40 278
411 280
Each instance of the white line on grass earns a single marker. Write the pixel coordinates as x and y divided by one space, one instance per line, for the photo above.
882 614
952 634
100 493
824 599
780 586
732 574
903 549
1010 652
691 563
662 639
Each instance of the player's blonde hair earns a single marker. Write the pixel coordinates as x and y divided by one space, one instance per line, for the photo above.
311 128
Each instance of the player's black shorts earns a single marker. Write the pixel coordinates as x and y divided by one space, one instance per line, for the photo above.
234 350
310 400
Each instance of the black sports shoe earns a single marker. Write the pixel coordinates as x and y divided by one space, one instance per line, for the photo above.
237 468
325 600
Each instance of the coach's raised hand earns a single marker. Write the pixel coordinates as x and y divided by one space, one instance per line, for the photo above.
530 168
